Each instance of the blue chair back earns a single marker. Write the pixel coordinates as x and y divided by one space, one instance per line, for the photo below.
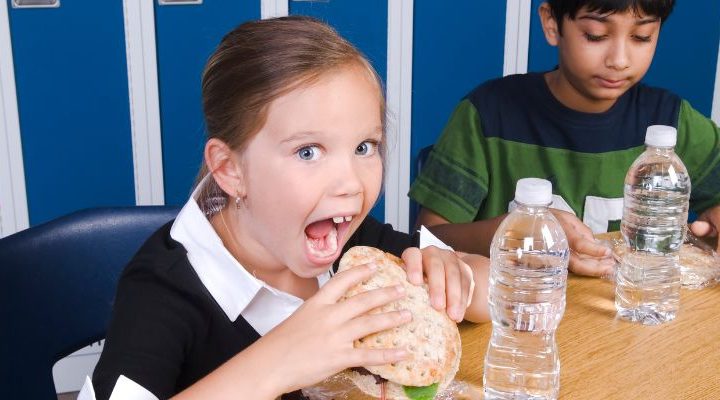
418 166
57 283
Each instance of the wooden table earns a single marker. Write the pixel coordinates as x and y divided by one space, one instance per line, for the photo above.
602 357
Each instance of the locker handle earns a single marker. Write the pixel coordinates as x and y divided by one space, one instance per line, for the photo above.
178 2
35 3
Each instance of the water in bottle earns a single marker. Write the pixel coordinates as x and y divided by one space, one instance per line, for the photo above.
655 210
528 275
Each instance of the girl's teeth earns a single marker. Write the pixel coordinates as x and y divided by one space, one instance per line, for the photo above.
340 220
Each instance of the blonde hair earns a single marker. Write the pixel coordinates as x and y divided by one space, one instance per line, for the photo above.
258 62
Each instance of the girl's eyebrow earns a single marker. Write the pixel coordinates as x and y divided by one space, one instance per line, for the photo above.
299 136
604 18
303 135
377 131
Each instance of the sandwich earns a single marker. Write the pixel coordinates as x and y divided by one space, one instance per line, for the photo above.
432 339
699 263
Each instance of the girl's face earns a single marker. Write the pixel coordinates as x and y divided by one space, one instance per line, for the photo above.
312 173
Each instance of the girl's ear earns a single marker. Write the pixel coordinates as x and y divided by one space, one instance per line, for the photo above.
225 167
549 24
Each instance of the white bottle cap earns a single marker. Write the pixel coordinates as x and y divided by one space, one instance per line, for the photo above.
533 192
661 136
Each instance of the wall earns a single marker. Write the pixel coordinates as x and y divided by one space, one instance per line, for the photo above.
114 118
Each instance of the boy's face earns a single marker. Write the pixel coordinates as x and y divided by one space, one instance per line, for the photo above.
312 173
600 56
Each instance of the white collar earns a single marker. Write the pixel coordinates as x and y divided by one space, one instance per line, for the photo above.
229 283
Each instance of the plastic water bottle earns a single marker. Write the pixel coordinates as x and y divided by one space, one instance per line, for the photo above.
528 274
654 222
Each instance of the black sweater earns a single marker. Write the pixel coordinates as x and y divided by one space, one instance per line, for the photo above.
167 331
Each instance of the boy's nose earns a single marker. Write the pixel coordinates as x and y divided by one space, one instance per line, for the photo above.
618 57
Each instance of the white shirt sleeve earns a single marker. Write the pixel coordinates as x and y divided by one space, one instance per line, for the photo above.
428 239
125 389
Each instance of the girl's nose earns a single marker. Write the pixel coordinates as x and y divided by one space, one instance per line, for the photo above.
347 179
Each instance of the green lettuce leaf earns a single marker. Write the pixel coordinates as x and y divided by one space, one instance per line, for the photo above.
421 392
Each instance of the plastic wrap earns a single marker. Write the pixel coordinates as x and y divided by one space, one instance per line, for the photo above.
699 263
340 387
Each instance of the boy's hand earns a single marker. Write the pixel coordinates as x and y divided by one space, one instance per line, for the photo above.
316 341
587 257
707 225
449 279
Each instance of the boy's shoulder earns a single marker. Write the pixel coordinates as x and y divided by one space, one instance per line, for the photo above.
510 94
507 85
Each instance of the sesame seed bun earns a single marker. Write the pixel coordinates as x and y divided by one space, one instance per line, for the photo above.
431 338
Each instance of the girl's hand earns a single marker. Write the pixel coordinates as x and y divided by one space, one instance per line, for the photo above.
449 278
316 341
587 256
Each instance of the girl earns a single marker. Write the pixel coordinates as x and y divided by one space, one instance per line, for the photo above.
236 297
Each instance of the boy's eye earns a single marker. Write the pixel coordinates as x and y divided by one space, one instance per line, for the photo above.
594 38
308 153
642 38
366 148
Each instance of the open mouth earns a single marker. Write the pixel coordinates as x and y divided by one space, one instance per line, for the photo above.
323 238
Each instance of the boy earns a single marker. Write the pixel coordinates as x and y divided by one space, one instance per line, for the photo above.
580 126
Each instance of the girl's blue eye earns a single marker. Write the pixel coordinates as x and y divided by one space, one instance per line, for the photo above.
366 148
308 153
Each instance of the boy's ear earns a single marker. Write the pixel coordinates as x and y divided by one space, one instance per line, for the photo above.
226 168
549 24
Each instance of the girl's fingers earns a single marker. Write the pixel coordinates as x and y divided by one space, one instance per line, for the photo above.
372 323
412 258
336 287
435 271
364 357
471 287
454 289
363 302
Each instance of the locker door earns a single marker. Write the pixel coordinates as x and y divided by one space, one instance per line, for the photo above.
71 79
686 56
186 36
363 23
685 59
449 60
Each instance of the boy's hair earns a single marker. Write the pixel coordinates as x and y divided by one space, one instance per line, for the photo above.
260 61
655 8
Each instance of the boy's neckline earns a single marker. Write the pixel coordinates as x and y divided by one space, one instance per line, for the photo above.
557 107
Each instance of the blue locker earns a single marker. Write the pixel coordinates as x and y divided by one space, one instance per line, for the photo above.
455 48
71 78
685 59
365 25
186 36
